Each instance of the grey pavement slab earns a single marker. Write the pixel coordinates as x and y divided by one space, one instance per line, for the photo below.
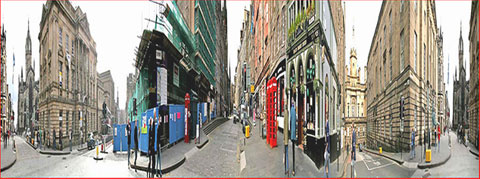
9 156
169 157
405 158
264 161
216 159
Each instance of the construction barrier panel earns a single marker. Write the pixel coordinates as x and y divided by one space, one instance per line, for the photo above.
176 123
119 137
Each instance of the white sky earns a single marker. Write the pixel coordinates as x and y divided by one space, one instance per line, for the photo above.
116 25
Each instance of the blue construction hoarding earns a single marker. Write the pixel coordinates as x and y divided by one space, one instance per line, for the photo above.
176 120
120 137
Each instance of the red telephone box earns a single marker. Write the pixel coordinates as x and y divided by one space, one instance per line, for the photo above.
271 112
187 116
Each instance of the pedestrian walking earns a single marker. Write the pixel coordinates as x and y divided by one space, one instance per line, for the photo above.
353 156
70 138
54 140
129 143
40 139
199 121
60 139
285 142
159 147
135 138
293 132
425 143
151 141
412 149
327 148
438 134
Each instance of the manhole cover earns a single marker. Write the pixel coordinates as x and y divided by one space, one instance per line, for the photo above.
64 158
49 156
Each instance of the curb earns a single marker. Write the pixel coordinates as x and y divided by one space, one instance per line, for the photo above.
9 165
55 152
82 149
34 148
164 170
203 144
432 165
473 152
386 156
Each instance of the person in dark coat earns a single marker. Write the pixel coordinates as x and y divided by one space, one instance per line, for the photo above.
135 138
151 149
60 139
159 147
129 141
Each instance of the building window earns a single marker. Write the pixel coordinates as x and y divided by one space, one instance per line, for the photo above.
402 57
424 61
73 52
66 43
401 5
415 52
60 41
391 62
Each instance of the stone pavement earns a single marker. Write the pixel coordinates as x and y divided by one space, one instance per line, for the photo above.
472 149
438 157
50 151
264 161
172 157
9 156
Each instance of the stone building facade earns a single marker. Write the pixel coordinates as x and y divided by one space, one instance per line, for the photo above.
27 91
5 95
313 84
402 63
460 90
355 100
68 76
473 85
222 77
442 120
108 86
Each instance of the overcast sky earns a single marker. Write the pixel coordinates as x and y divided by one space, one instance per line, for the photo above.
115 26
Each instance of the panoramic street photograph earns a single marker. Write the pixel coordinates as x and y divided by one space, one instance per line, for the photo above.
239 89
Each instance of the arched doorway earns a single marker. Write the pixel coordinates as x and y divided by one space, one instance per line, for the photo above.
301 107
311 95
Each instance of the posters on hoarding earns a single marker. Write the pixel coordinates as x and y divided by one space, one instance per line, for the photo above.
162 85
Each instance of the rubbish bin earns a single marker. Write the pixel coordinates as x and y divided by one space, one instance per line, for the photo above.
428 156
380 150
247 131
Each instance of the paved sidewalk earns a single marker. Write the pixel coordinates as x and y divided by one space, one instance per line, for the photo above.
263 161
438 157
172 157
50 151
472 149
9 156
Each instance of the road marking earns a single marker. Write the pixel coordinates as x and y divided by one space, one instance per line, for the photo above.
374 162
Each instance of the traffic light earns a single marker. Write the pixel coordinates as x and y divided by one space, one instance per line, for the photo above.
104 110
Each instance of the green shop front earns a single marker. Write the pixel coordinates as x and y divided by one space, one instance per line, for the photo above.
312 83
